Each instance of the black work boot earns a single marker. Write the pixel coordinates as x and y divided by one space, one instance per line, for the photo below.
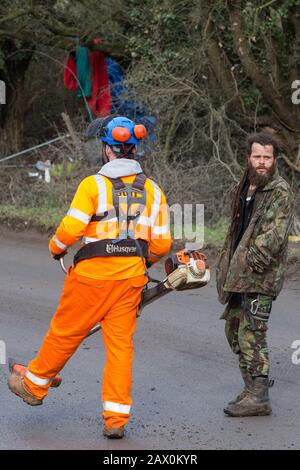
248 381
255 402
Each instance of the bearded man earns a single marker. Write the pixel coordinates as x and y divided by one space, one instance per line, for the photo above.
250 269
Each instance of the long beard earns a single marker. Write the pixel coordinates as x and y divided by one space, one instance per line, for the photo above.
259 180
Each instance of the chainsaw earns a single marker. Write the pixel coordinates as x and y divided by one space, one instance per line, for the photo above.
186 269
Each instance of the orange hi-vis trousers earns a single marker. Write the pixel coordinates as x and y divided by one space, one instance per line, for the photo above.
85 302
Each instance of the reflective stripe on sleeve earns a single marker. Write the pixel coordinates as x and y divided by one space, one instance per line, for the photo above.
36 380
79 215
143 220
59 244
156 203
102 194
90 240
161 230
116 407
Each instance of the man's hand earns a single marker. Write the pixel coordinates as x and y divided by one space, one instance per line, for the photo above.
148 264
59 256
253 263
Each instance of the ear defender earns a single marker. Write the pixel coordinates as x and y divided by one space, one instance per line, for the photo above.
121 134
140 131
121 130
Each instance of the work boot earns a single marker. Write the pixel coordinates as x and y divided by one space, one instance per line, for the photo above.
114 433
248 381
17 386
255 401
20 369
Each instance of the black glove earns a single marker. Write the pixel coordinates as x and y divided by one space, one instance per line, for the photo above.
148 264
60 255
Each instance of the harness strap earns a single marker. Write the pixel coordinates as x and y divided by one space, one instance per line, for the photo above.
139 182
126 244
127 247
118 185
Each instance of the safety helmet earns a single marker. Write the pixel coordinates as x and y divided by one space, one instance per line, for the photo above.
121 130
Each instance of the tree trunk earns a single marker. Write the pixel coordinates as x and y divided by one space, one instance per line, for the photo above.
12 114
270 94
12 129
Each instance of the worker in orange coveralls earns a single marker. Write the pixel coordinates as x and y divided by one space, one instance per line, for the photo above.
123 218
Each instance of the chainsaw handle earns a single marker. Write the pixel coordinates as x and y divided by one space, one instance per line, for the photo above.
62 265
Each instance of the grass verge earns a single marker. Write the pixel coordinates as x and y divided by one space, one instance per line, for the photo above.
44 219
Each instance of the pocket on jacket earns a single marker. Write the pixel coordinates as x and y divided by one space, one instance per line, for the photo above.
264 308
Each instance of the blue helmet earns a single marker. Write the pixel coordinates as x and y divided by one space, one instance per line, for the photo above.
121 130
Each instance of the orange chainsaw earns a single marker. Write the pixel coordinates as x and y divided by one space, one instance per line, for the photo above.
186 269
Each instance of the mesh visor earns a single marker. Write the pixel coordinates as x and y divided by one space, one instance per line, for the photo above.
95 127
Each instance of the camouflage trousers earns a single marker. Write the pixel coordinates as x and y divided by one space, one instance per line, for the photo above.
246 331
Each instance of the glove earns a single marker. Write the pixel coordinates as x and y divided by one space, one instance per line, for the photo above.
60 255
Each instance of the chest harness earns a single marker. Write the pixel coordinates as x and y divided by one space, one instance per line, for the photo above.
132 197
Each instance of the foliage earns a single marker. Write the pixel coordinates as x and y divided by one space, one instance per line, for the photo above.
210 71
43 218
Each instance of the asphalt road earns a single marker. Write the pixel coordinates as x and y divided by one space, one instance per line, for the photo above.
184 372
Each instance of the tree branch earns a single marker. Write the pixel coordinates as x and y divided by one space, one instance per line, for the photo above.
291 164
15 35
15 15
221 73
271 95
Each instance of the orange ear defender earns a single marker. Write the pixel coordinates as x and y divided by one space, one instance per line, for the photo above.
120 134
140 131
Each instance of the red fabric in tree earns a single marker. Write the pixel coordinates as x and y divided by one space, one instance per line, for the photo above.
70 74
100 101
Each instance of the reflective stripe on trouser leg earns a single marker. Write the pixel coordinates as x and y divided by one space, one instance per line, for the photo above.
36 380
118 327
116 407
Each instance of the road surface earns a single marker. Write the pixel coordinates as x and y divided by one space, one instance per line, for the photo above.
184 373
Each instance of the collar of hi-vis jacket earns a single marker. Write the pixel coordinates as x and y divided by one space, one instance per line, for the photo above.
120 167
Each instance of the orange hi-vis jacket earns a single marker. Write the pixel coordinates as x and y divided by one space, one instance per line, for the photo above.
94 196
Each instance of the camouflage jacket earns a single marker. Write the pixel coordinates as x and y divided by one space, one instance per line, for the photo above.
257 264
